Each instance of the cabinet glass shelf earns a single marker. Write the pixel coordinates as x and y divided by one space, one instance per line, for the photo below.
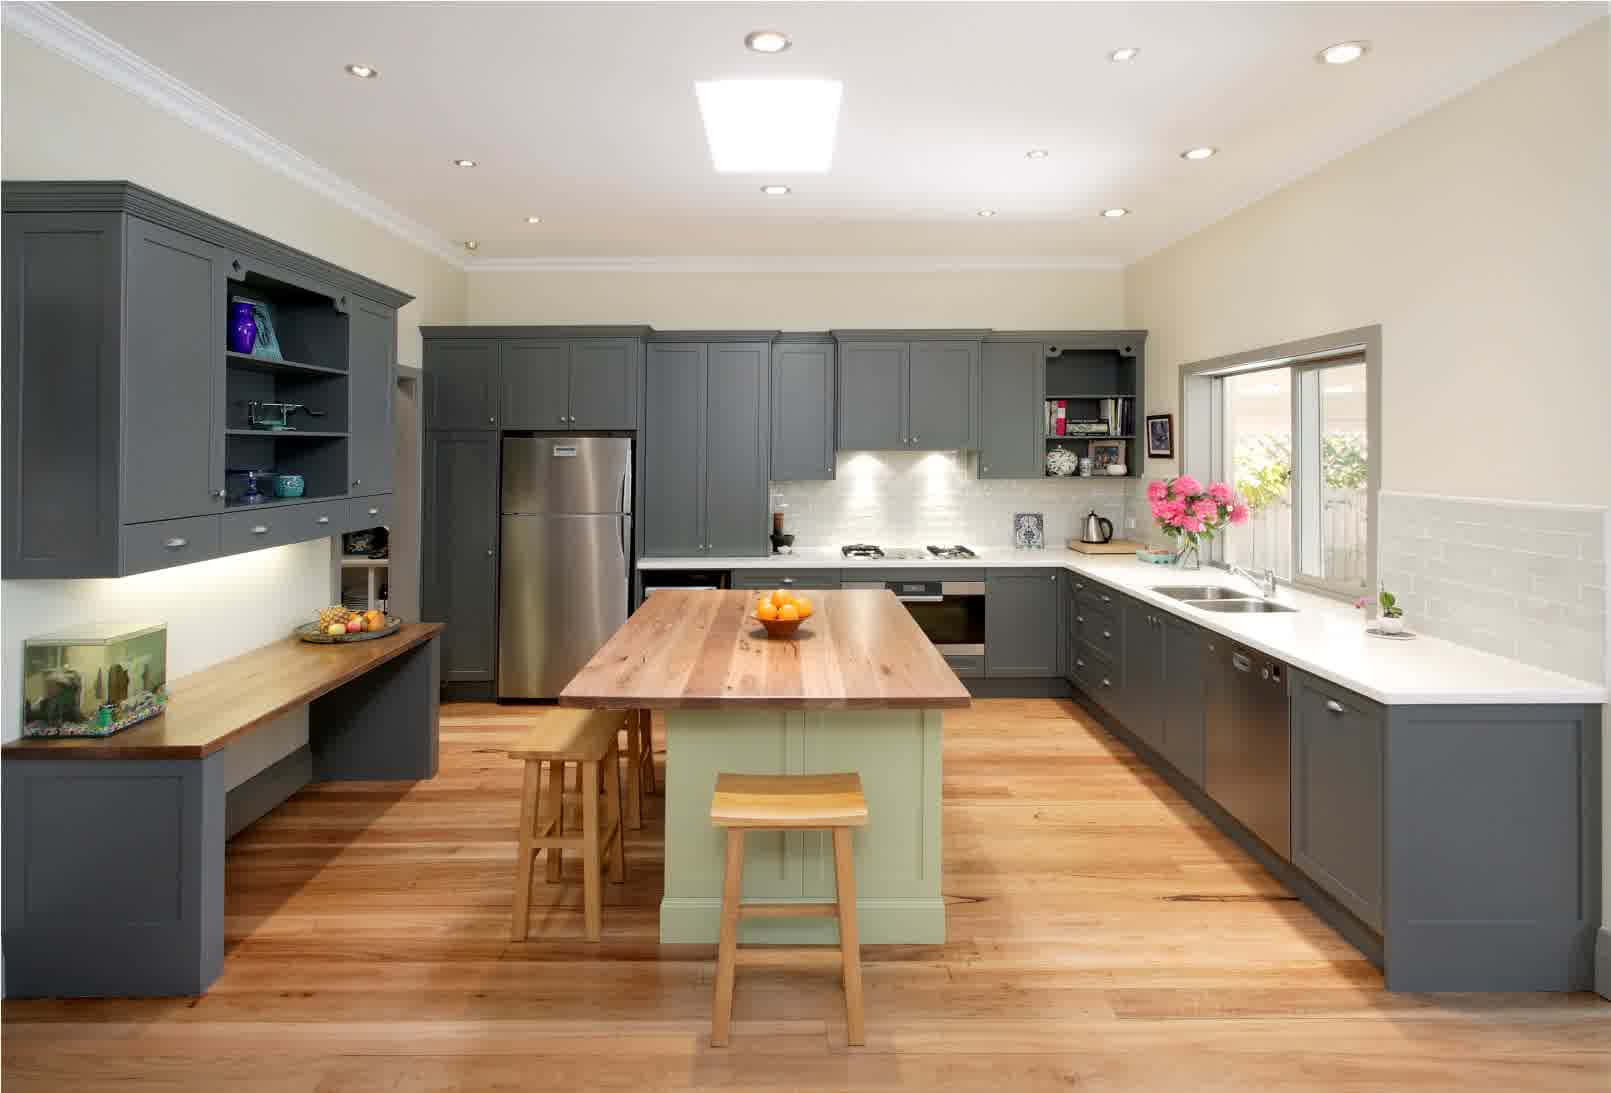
268 364
287 434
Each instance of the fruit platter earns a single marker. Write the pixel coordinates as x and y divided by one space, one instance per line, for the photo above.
337 624
781 612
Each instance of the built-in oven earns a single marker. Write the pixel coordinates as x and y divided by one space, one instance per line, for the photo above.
951 613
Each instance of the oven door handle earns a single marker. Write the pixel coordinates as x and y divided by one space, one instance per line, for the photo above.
921 599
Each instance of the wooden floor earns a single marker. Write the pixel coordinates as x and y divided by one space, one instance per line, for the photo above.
1103 937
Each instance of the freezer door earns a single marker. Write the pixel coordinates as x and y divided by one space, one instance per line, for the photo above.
567 474
563 593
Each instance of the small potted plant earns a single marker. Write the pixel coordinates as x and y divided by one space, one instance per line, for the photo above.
1390 616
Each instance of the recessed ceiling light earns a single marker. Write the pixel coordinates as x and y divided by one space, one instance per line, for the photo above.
1114 214
464 163
1343 53
1203 152
534 220
766 41
986 212
363 72
1128 53
774 191
1036 153
470 244
755 126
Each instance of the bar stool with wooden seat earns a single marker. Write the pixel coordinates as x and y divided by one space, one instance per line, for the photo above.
589 739
640 780
788 802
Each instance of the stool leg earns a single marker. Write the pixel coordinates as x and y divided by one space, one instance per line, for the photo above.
634 789
844 874
727 950
612 814
648 751
524 863
556 790
592 882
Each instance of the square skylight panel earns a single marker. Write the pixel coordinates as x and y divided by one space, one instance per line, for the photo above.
770 126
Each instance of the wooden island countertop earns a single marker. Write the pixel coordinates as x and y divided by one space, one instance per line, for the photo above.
697 650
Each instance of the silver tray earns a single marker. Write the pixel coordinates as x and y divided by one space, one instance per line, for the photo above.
310 632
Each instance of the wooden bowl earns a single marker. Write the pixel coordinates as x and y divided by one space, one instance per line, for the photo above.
779 628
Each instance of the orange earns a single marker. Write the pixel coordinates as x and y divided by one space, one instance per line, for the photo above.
788 612
803 605
766 611
782 596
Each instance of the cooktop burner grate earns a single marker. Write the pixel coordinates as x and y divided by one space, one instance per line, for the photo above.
952 552
861 550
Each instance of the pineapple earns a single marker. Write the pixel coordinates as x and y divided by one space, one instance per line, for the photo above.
329 615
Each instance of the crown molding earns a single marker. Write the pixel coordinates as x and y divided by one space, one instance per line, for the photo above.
794 264
93 51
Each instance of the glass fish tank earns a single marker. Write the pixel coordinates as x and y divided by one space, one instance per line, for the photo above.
94 680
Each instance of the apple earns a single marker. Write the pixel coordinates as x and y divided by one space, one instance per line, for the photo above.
335 629
355 625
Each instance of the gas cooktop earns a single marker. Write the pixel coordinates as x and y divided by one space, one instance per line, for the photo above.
872 552
952 553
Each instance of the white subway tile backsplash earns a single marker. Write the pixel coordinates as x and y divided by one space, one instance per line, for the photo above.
917 498
1519 579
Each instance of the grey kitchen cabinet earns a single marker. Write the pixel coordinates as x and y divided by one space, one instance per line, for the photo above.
705 449
1181 699
121 397
568 383
941 381
459 573
462 383
907 393
372 341
1021 622
813 579
1141 699
1012 376
802 410
1338 749
872 396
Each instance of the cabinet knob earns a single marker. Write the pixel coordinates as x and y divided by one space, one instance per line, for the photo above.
175 544
571 419
1079 618
1054 578
374 512
260 529
788 580
1333 705
218 494
1107 633
357 481
322 520
489 552
1078 663
1107 599
490 420
914 440
1106 682
984 468
562 418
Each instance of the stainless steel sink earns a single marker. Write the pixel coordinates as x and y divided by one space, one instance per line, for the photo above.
1200 592
1241 607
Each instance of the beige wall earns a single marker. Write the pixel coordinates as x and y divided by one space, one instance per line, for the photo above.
800 301
1479 236
61 122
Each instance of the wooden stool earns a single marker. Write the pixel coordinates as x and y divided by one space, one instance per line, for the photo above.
788 802
640 781
587 738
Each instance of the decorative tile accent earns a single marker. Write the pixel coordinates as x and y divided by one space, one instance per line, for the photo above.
918 498
1523 580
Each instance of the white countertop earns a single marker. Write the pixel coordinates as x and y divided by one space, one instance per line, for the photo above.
1323 637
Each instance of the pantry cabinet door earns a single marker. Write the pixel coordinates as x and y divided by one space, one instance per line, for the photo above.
372 340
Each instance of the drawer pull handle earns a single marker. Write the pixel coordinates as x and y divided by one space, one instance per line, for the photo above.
1333 705
1107 633
788 580
176 543
1107 599
1106 682
374 512
322 520
260 529
1079 618
1078 663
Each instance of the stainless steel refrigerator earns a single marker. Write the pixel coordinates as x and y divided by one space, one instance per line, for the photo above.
566 504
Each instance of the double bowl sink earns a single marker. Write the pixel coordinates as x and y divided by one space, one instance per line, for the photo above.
1221 600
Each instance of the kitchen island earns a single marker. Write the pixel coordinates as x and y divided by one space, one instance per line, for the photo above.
859 688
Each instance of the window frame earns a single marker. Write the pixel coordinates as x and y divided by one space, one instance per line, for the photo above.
1203 433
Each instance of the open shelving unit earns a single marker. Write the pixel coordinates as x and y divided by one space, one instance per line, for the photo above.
1097 384
312 333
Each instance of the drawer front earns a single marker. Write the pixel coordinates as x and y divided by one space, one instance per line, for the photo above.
966 666
1096 597
785 578
256 529
369 512
316 519
1101 630
864 574
1096 675
169 542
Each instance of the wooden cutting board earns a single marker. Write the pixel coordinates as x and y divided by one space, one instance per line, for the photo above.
1116 546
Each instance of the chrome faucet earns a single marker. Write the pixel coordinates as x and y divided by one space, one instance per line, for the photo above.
1266 583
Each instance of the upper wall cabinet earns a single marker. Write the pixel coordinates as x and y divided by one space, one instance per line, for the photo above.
899 392
1010 417
802 409
128 417
533 377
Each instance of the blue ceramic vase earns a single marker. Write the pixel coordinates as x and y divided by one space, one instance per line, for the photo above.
242 327
288 485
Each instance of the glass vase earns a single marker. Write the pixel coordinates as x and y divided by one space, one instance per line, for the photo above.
1186 557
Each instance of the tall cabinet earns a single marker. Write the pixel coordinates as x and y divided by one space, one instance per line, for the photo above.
706 445
128 421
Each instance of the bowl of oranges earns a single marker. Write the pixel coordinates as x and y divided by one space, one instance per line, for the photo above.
782 612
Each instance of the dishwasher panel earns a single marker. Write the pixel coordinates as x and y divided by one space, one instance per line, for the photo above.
1248 746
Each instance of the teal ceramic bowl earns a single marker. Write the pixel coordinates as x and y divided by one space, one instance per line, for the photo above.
288 485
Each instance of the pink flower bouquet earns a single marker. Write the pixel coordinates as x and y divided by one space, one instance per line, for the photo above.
1190 513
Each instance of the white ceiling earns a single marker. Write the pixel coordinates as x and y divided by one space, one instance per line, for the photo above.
585 114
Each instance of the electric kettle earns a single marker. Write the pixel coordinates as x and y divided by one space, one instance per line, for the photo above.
1098 529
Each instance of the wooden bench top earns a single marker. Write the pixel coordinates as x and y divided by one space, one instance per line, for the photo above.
208 709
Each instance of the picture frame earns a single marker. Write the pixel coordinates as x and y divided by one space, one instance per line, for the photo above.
1029 530
1106 453
1160 436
